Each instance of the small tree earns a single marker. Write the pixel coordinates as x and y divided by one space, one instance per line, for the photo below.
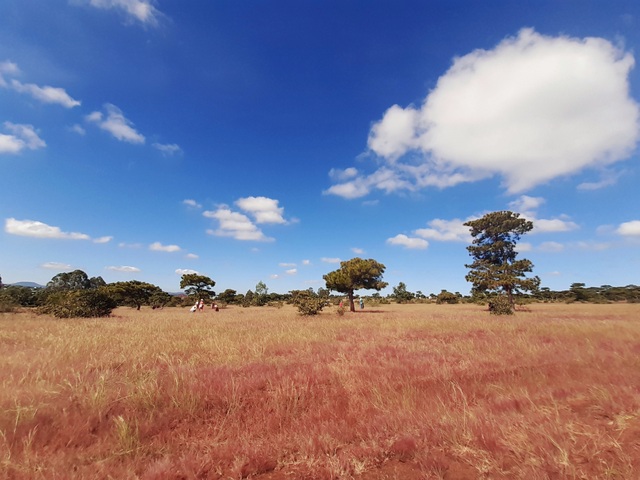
198 286
447 297
261 295
135 293
401 294
356 274
493 249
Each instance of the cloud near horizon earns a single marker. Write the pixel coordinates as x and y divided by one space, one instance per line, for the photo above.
513 111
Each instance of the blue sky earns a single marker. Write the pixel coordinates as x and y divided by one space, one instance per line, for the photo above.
268 140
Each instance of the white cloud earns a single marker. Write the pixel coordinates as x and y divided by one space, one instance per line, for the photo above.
341 175
551 247
235 225
285 265
105 239
167 149
21 137
123 269
330 260
412 243
116 124
77 129
32 228
45 94
191 203
142 11
158 247
524 247
263 209
192 256
357 251
291 271
56 266
445 231
130 245
526 206
513 111
306 262
629 229
186 271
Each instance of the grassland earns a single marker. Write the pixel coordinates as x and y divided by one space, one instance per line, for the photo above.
402 391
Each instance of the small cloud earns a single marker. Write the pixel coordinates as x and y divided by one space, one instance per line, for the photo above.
274 276
552 247
130 245
340 175
77 129
524 247
291 271
526 206
445 231
408 242
191 203
306 262
116 124
21 137
192 256
123 269
102 239
330 260
629 229
357 251
56 266
141 11
186 271
263 209
285 265
235 225
45 94
158 247
35 229
167 149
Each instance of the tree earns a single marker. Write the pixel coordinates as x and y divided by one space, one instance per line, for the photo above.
260 297
76 280
228 297
356 274
401 294
135 293
493 249
197 286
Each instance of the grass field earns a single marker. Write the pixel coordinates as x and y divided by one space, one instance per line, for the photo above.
399 391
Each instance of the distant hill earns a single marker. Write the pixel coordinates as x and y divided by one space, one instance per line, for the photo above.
26 284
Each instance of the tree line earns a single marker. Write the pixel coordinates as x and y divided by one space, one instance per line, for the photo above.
498 278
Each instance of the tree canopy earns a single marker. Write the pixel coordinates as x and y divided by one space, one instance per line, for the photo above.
135 293
198 286
495 267
356 274
76 280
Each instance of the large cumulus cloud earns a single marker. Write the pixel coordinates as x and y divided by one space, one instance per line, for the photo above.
532 109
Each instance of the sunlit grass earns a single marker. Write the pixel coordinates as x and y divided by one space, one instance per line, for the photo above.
415 391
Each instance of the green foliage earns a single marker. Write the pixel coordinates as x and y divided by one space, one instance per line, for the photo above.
356 274
447 297
500 305
19 296
401 294
228 297
307 302
135 294
198 286
76 280
87 303
493 249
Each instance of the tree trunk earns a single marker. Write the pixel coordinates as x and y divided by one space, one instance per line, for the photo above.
352 307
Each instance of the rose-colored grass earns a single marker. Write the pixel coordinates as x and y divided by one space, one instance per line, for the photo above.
396 391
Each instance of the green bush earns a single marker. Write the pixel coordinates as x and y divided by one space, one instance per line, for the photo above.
308 304
88 303
500 305
446 297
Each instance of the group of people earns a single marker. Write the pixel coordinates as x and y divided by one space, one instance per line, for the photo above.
199 306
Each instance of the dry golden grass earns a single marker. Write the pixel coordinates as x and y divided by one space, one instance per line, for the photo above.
397 391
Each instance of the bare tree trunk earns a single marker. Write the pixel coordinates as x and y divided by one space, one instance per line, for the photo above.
352 307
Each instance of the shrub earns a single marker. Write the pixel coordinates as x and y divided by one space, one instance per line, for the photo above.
341 310
500 305
307 303
446 297
79 304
